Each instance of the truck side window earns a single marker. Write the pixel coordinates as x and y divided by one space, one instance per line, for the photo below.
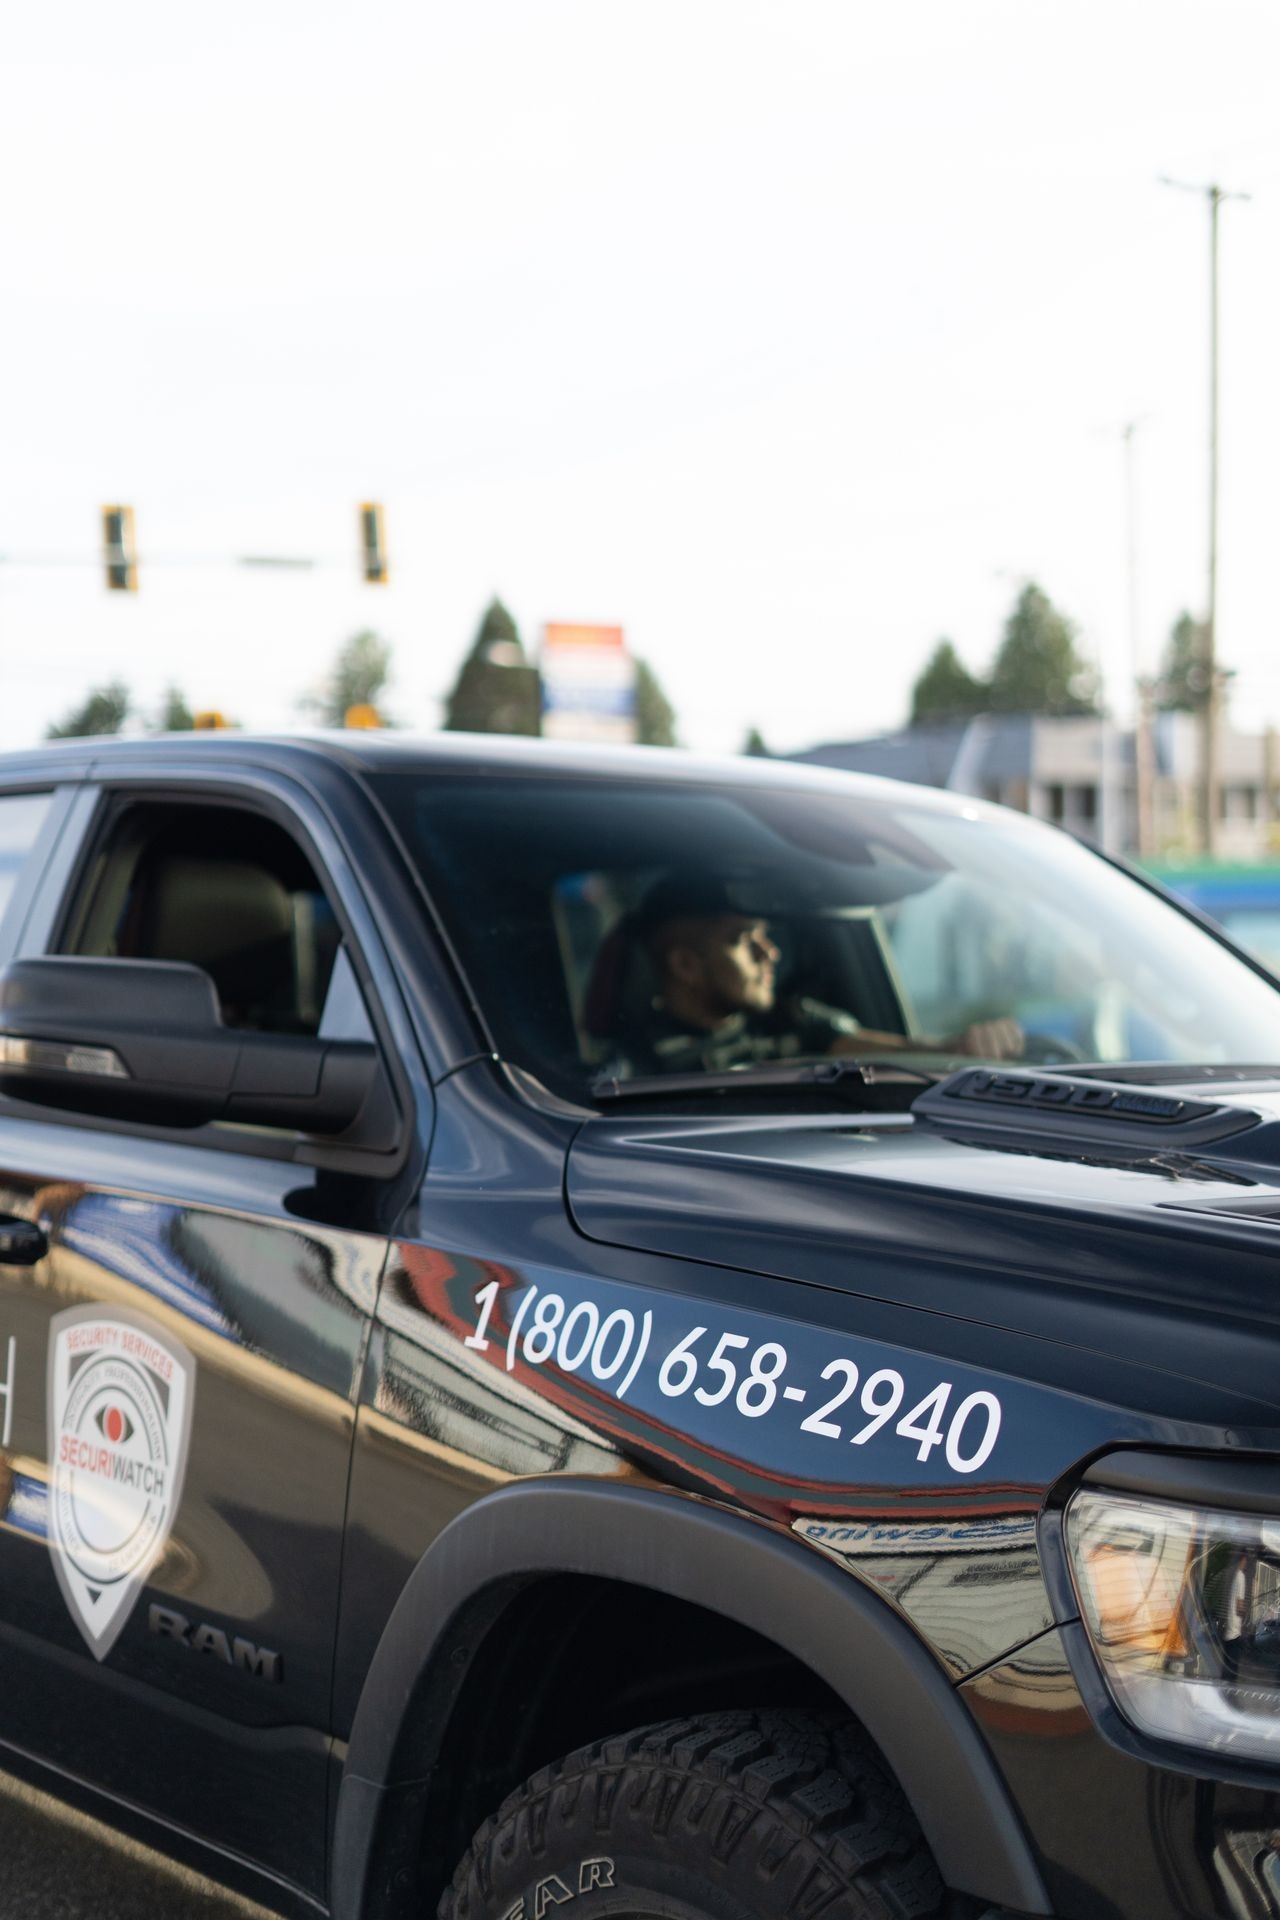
345 1016
226 891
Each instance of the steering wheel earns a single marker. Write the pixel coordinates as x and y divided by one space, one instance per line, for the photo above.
1046 1050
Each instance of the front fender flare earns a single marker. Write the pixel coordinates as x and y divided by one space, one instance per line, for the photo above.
680 1546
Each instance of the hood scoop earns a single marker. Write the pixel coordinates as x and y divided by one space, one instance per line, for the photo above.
1024 1112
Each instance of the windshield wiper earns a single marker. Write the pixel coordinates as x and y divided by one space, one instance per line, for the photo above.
849 1078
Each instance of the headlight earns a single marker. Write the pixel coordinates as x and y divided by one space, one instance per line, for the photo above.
1183 1609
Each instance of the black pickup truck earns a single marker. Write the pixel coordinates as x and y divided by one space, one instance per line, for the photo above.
602 1331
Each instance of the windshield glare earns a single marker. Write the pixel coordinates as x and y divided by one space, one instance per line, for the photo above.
622 928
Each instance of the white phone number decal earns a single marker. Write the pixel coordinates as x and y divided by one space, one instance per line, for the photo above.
751 1377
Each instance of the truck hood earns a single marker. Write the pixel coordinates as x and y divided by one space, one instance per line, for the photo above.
1170 1255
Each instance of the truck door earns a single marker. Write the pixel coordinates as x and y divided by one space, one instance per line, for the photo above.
183 1318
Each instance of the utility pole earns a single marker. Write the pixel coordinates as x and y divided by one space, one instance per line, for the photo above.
1143 756
1212 692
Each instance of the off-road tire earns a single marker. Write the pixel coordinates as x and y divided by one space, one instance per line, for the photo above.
730 1816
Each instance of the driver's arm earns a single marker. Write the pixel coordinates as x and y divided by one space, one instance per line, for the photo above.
987 1039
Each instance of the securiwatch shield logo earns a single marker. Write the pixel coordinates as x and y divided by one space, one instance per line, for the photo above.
120 1400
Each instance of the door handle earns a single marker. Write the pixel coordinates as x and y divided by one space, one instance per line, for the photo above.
22 1242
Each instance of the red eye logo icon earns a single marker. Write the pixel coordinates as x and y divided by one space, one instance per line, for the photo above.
114 1424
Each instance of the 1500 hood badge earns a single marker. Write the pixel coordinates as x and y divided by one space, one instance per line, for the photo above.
121 1394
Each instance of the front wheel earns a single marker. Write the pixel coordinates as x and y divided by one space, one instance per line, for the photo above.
729 1816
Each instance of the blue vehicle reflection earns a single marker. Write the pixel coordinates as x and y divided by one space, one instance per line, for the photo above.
1245 902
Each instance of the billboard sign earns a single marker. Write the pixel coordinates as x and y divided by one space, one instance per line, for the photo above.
588 684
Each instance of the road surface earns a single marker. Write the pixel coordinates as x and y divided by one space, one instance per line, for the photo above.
62 1865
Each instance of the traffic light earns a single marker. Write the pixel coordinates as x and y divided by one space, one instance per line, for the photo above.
373 544
120 549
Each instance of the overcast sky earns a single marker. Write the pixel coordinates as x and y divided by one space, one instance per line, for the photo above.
790 337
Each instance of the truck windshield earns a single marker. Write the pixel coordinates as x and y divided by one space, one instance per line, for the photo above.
619 927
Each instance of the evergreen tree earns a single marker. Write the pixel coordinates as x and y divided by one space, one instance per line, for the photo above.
654 714
496 690
946 690
103 710
356 679
753 745
1038 668
1183 681
175 715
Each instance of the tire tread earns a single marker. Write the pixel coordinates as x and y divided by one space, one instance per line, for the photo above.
798 1802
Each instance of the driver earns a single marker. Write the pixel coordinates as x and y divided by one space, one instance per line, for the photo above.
717 1004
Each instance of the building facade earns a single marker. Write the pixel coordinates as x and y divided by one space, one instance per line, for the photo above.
1080 772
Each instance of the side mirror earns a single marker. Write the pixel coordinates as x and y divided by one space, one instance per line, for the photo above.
144 1040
